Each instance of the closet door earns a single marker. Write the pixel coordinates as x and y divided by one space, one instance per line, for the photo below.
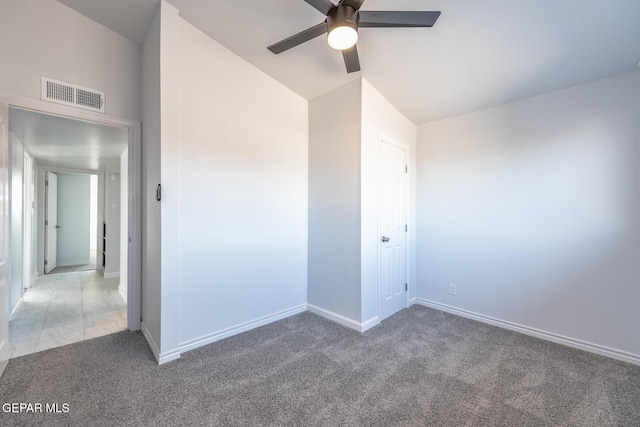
392 220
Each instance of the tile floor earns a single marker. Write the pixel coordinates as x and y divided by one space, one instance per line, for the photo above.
84 267
61 309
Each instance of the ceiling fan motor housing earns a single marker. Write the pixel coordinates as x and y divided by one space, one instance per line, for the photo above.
342 15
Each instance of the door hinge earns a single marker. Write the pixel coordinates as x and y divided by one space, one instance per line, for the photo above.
46 262
406 286
46 222
406 168
46 183
405 228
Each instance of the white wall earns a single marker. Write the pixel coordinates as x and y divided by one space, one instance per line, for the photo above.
531 209
160 246
170 206
210 263
344 130
334 201
16 234
112 217
124 222
242 193
150 233
42 38
74 219
380 119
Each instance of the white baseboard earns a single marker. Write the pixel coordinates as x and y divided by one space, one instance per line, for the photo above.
344 321
365 326
161 358
73 263
34 277
17 308
548 336
150 341
243 327
169 356
112 275
123 292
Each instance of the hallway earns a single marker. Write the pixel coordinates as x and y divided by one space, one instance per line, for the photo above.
64 308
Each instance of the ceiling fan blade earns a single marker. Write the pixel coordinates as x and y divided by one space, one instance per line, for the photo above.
397 19
323 6
351 59
301 37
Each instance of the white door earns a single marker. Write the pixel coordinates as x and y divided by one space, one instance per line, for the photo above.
51 221
392 219
4 249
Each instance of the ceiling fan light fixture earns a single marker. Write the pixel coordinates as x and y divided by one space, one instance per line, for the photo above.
342 37
342 27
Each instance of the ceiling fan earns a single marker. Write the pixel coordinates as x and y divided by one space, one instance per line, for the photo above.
343 21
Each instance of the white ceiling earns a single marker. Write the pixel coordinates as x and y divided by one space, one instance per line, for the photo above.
479 53
66 143
129 18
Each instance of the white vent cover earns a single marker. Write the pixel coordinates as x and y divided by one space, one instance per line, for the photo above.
73 95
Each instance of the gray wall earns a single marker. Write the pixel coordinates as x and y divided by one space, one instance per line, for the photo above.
532 208
334 201
74 193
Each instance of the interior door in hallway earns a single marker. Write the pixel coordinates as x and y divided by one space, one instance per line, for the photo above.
51 221
4 249
392 220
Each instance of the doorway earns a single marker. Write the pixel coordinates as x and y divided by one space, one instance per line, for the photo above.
70 222
58 284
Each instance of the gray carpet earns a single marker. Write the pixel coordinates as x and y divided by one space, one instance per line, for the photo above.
420 367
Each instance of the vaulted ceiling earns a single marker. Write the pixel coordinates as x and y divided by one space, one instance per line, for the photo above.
479 54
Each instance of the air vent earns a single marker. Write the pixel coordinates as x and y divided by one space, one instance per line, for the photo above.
72 95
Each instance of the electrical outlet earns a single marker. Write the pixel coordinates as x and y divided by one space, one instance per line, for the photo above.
452 289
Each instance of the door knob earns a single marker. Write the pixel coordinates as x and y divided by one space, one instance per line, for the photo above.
57 226
385 239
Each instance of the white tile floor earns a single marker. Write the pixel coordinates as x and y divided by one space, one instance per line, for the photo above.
61 309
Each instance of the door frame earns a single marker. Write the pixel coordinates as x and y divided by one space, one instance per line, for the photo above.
41 174
383 139
4 239
28 220
134 131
